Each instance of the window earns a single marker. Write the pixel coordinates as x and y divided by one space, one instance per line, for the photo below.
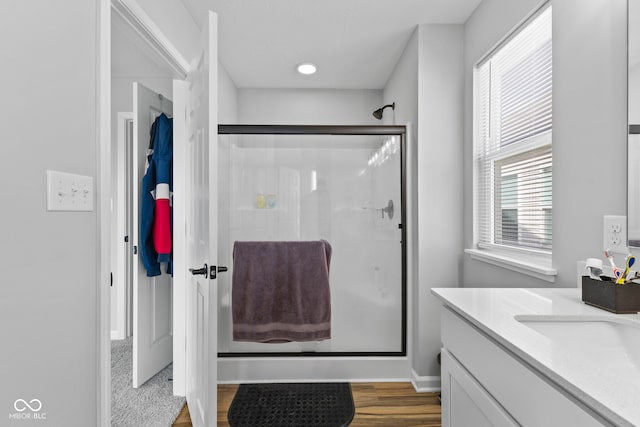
512 144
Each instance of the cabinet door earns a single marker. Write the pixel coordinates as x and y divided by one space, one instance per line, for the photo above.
464 401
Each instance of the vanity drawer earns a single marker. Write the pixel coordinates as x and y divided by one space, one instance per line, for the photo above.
525 395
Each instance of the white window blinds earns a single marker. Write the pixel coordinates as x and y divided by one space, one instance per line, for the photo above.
512 148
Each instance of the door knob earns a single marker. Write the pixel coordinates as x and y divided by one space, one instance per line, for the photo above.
203 271
215 270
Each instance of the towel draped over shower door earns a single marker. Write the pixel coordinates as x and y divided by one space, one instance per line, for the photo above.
280 291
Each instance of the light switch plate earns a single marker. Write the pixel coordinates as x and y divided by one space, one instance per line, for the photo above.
69 192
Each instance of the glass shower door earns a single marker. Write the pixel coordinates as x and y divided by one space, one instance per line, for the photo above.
345 189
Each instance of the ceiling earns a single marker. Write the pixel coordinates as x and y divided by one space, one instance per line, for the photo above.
354 43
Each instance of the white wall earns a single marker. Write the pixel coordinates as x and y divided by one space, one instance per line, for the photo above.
439 179
589 50
227 97
426 86
634 94
308 106
590 124
48 299
633 182
402 88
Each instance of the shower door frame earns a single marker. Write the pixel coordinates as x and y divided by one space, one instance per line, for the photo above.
401 131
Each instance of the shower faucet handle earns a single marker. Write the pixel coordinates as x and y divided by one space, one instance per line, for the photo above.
388 209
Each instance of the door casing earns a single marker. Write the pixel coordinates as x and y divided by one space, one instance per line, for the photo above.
123 249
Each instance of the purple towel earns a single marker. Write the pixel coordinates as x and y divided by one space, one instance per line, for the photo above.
281 291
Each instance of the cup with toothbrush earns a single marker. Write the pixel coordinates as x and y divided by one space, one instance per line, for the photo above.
621 276
629 263
616 271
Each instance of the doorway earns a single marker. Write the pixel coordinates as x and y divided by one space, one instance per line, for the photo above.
141 368
135 61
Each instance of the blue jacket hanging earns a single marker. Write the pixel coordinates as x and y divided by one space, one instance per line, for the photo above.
156 215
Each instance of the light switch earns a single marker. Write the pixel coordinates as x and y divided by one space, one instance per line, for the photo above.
69 192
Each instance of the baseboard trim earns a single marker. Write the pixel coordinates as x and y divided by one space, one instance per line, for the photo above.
425 383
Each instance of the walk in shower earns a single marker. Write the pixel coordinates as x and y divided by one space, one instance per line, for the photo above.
343 184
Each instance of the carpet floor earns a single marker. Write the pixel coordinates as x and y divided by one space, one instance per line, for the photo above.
152 404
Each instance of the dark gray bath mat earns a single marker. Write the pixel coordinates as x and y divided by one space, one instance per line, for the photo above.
292 405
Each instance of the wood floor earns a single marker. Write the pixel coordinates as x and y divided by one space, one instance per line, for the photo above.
377 404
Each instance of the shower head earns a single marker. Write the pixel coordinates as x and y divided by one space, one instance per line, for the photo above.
378 113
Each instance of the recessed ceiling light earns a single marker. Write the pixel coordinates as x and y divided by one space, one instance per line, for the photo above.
306 68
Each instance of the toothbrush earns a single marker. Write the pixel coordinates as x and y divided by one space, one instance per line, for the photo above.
616 271
630 261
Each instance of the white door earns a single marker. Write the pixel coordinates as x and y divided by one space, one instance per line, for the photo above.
152 339
201 229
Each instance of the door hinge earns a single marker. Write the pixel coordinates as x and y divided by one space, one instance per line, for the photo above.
135 249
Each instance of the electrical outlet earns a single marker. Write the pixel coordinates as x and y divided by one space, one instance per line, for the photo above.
614 233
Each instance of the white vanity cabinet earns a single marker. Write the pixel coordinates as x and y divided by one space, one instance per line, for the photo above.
484 384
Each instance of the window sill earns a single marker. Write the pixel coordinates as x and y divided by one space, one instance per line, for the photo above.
525 266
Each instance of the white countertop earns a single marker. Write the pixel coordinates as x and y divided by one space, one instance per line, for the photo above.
605 379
